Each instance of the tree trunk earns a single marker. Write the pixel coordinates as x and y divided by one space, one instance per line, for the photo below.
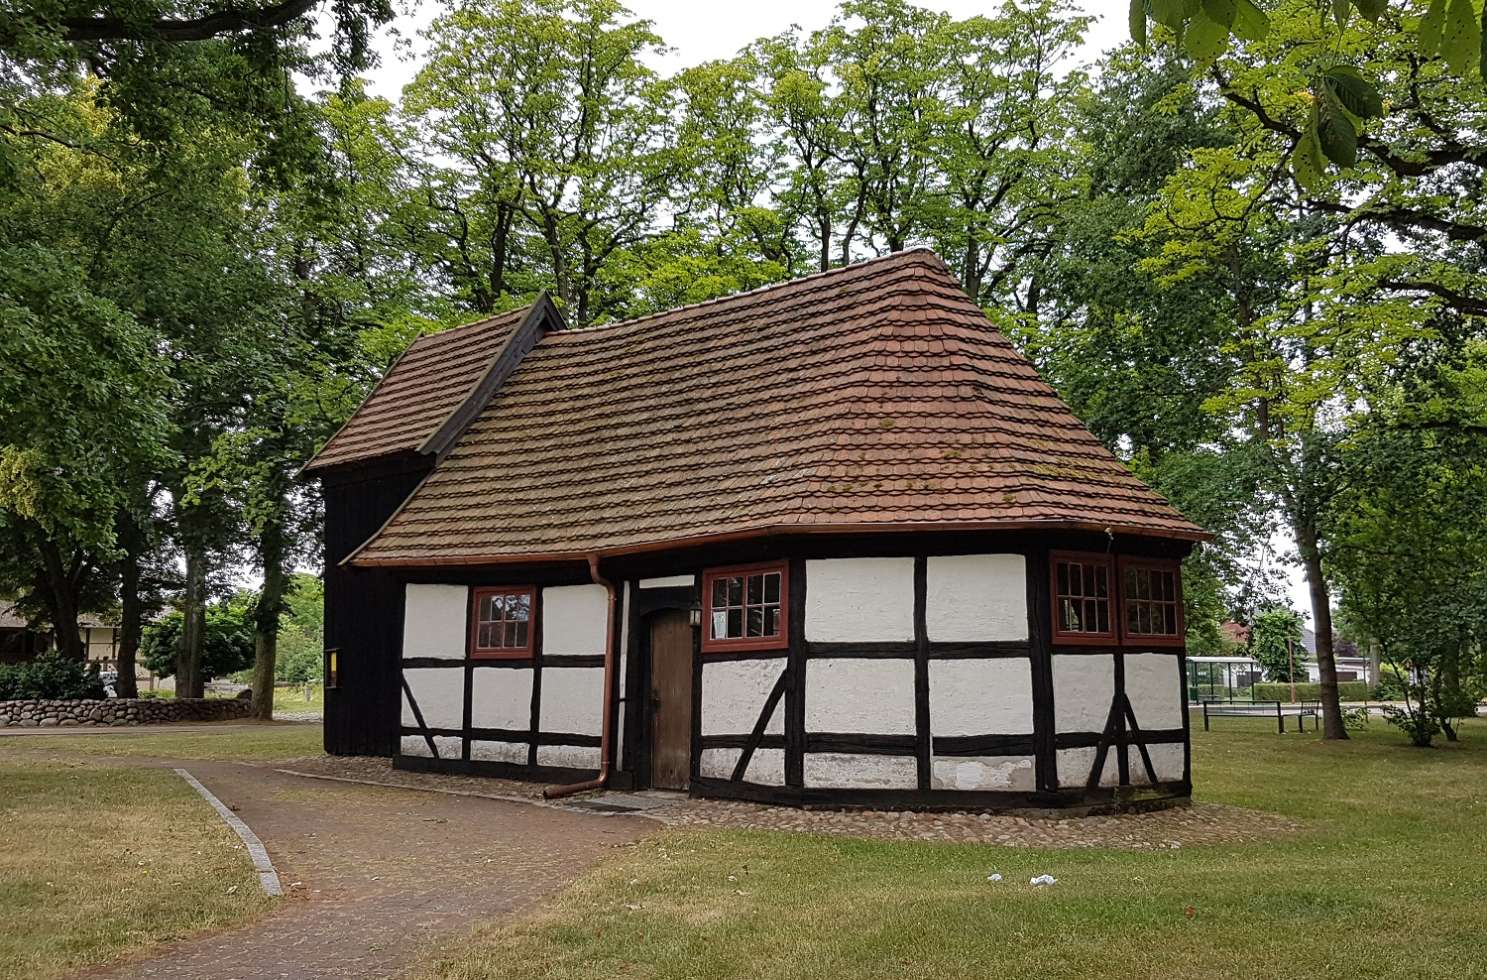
62 590
189 681
266 619
131 624
1321 618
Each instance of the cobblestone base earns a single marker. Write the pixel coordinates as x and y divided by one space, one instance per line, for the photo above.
1170 827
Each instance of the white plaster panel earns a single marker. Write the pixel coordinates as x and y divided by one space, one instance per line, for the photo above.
572 700
434 621
449 747
414 745
668 582
734 692
512 752
1083 689
976 597
981 697
830 770
984 773
573 619
501 697
568 756
853 695
859 599
624 665
1167 759
440 693
1154 686
1074 766
766 767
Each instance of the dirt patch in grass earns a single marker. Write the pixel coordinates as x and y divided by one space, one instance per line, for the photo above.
100 862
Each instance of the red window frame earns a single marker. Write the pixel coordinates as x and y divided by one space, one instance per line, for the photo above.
1083 637
730 644
476 651
1165 566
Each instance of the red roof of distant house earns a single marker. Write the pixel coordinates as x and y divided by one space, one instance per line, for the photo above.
873 397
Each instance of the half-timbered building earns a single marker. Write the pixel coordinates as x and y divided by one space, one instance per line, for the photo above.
829 542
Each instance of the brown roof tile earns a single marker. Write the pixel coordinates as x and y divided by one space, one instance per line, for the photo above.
876 396
427 384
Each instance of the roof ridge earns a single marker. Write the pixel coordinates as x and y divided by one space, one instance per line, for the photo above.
484 321
891 257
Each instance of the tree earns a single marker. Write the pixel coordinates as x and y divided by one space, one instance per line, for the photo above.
228 646
1275 643
1343 96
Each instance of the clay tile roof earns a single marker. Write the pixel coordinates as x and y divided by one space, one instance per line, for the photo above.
873 397
422 389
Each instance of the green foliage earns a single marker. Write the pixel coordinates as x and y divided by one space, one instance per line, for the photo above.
50 676
229 639
1305 691
302 631
1275 643
1343 97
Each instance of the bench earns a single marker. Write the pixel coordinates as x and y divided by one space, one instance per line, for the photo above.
1232 707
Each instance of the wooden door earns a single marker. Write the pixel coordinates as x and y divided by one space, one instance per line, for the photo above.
671 700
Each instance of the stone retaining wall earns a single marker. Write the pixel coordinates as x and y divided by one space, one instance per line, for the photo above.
121 711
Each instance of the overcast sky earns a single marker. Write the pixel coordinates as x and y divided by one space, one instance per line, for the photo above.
698 32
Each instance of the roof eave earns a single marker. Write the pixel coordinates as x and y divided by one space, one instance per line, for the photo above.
1194 535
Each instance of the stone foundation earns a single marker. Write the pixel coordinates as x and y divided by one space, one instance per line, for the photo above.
121 711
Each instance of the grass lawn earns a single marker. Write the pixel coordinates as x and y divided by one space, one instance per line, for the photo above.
1389 879
265 742
100 861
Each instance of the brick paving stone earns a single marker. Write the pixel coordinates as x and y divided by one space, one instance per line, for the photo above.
374 875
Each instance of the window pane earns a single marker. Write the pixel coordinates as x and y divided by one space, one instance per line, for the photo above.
519 607
772 620
518 634
1102 617
772 587
1063 578
735 621
483 636
719 625
735 591
720 593
756 589
755 621
1067 621
487 608
1102 583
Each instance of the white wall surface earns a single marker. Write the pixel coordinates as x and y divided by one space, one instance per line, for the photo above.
1166 759
766 767
981 697
734 692
434 621
1083 689
859 599
984 773
975 597
512 752
572 700
501 697
440 692
1074 766
449 748
568 756
858 695
1154 685
830 770
573 620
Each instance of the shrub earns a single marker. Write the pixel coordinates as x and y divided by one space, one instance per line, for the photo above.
50 676
1346 690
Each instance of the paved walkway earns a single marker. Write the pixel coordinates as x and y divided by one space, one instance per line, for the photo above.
374 875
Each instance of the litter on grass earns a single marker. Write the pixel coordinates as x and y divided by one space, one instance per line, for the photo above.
1043 880
994 877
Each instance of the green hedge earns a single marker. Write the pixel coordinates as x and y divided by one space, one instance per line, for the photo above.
1281 691
50 677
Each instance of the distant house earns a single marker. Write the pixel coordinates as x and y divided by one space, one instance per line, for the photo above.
829 542
22 639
